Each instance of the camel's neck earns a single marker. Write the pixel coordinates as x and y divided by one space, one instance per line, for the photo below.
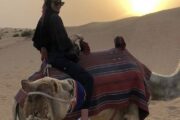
175 73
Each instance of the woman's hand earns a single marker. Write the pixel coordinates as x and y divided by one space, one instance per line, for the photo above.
44 54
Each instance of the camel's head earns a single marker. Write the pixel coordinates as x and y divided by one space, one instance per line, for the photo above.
178 68
44 98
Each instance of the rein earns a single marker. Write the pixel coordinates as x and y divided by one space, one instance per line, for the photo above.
51 97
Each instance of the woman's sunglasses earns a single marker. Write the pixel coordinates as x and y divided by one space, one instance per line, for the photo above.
56 3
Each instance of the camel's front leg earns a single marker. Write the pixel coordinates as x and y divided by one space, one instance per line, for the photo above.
132 113
109 114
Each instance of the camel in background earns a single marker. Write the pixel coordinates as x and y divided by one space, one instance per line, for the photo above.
165 87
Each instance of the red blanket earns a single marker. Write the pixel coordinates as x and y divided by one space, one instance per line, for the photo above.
119 79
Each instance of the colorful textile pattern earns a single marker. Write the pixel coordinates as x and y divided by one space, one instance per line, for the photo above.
119 79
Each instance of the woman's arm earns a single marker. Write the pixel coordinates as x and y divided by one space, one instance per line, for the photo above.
38 42
44 54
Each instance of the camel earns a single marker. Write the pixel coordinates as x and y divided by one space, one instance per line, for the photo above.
120 91
165 87
39 106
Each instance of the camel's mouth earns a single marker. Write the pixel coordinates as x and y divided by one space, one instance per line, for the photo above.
38 117
38 108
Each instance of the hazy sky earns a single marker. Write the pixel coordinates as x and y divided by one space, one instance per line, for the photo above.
25 13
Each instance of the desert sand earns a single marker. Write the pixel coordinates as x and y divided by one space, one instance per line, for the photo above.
149 38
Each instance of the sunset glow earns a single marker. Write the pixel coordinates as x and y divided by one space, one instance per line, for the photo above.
25 13
141 7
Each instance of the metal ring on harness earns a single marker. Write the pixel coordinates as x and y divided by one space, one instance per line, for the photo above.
46 70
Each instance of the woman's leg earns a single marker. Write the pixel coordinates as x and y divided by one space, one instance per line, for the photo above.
84 114
78 73
81 75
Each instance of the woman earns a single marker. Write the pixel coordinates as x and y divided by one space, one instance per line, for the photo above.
52 41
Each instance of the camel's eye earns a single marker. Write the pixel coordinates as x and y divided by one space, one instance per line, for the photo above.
38 97
30 99
71 92
34 98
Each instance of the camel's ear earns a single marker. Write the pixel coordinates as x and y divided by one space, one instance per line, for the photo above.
67 85
70 81
26 85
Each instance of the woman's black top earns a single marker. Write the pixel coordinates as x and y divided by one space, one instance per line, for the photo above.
54 38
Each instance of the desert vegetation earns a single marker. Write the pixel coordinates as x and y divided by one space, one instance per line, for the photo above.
27 33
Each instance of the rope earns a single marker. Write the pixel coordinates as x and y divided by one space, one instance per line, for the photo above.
50 97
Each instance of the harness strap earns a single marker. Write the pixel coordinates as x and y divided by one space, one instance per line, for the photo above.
112 117
48 96
54 98
46 70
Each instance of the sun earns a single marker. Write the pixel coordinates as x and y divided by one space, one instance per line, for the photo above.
142 7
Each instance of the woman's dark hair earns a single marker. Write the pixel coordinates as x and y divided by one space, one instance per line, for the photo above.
46 19
42 29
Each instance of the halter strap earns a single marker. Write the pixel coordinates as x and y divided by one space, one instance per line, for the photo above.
46 70
49 96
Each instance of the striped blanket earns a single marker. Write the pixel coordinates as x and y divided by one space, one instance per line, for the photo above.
119 79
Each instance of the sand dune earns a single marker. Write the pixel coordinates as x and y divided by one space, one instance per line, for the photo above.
154 39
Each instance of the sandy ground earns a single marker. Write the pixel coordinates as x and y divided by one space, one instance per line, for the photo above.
18 61
165 110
